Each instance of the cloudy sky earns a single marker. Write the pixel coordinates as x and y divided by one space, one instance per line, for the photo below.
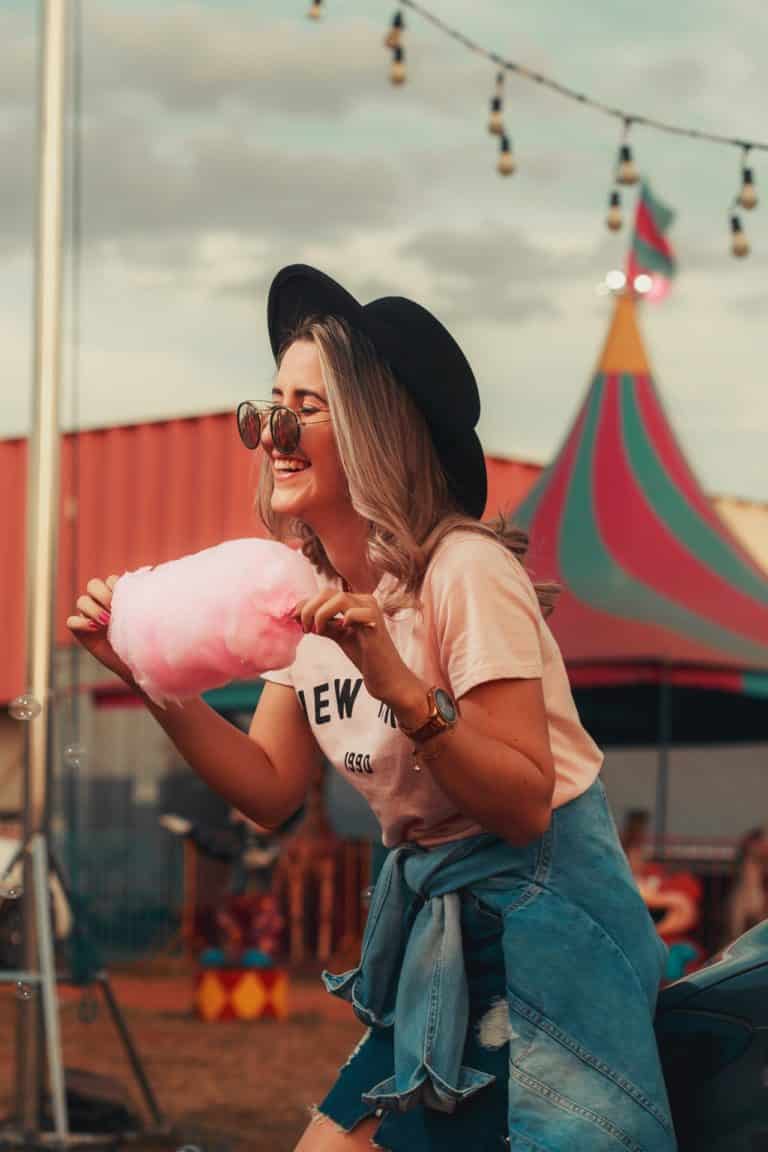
223 140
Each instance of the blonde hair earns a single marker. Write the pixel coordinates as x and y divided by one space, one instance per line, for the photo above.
363 399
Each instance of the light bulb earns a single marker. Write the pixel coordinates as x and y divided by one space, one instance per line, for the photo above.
739 242
748 194
614 218
496 119
506 165
627 172
397 71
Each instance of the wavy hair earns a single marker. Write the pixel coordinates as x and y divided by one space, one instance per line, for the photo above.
363 399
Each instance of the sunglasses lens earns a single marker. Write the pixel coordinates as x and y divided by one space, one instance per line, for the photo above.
249 423
285 430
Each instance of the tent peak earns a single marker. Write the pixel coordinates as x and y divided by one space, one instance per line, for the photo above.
623 350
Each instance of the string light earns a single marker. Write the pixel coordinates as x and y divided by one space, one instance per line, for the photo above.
627 172
506 165
614 219
397 72
748 194
395 34
626 169
739 241
496 119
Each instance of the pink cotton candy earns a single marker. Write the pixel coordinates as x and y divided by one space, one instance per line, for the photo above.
199 622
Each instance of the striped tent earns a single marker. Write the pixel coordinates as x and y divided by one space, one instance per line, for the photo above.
656 589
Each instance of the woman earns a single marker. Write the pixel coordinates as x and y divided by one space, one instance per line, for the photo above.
509 968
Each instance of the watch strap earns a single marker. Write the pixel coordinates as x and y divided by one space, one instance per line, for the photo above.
433 725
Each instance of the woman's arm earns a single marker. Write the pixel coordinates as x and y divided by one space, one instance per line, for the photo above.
495 763
265 773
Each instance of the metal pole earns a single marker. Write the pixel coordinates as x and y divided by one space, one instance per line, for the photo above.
39 854
42 514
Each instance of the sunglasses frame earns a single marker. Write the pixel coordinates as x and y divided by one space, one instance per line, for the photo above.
275 414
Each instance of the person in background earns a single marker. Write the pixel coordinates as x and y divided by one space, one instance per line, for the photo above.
748 903
252 848
672 898
248 921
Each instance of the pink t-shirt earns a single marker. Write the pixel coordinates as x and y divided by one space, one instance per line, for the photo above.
480 621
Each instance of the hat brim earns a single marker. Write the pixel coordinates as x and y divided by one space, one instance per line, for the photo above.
300 292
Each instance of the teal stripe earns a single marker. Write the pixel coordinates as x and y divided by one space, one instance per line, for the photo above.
755 684
671 506
592 575
652 259
238 696
523 515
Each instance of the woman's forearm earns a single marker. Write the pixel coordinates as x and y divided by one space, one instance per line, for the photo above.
227 759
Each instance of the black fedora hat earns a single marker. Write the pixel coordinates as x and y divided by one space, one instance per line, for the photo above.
423 356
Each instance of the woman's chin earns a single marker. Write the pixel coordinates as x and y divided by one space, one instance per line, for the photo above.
287 503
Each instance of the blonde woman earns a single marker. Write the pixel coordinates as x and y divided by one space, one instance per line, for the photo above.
509 968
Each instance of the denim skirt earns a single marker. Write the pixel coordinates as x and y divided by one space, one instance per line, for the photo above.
562 967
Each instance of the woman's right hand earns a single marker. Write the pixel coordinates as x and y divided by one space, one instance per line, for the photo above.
89 627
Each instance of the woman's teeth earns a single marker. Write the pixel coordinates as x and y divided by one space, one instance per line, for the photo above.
290 465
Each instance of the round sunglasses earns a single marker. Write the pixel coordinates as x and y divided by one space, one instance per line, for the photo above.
285 425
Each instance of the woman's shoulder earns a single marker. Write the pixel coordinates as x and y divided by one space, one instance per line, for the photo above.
463 550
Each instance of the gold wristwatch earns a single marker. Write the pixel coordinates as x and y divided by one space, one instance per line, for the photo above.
443 714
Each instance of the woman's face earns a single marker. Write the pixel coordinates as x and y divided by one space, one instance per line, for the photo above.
310 483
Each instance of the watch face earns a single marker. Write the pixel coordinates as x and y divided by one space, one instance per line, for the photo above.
445 706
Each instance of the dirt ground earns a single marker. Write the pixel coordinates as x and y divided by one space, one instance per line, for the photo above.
225 1086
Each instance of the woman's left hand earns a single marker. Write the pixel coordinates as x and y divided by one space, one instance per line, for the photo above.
356 623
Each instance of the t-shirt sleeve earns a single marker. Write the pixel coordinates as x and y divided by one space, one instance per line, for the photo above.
280 676
485 613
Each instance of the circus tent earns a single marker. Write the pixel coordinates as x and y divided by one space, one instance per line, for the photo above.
655 586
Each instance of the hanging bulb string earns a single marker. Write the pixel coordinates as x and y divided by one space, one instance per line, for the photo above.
573 94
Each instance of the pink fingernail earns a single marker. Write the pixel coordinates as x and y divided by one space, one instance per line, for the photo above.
92 625
104 617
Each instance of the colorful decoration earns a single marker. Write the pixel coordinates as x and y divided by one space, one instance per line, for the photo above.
241 993
651 253
619 519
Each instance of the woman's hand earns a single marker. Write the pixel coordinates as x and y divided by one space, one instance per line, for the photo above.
89 627
356 623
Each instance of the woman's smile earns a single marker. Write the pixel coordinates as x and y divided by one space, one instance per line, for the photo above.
285 468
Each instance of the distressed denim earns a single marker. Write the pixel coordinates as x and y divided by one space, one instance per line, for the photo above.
567 950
